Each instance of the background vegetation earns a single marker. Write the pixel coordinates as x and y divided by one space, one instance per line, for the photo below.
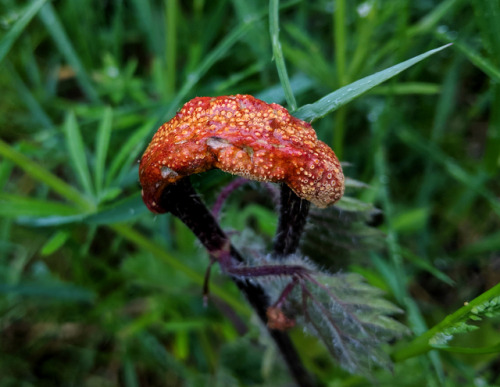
96 291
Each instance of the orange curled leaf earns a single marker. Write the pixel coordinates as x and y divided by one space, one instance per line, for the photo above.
244 136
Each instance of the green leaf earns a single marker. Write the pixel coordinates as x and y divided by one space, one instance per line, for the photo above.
349 316
278 53
478 60
16 30
486 305
123 211
41 174
55 242
102 144
49 17
342 96
13 206
76 150
471 351
56 292
471 180
129 150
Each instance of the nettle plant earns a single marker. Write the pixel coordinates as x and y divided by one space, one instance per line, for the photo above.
254 140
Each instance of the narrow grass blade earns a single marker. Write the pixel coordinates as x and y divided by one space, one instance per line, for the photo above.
29 100
278 53
55 242
101 149
487 17
491 159
471 351
429 21
407 88
38 172
144 15
300 83
482 63
13 206
210 59
342 96
131 148
339 40
452 167
76 149
171 17
16 30
54 27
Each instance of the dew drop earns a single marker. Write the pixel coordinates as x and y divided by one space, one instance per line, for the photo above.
166 172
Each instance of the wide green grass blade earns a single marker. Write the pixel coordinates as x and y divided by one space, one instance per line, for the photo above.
12 205
342 96
101 149
76 149
123 211
278 53
56 30
17 29
38 172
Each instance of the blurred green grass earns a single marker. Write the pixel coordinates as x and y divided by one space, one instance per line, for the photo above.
97 291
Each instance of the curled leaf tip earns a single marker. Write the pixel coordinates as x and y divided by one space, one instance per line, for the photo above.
244 136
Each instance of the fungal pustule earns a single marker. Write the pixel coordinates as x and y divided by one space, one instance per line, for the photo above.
244 136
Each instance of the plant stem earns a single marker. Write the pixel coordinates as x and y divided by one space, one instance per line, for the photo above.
293 216
182 201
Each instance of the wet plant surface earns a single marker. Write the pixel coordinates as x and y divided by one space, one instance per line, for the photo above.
96 290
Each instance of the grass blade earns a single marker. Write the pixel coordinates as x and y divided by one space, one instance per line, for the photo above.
28 98
16 30
14 206
61 292
278 53
56 30
38 172
76 149
131 148
342 96
482 63
101 149
210 59
473 181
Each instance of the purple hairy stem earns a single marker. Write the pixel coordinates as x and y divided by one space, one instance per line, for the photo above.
293 216
228 190
182 201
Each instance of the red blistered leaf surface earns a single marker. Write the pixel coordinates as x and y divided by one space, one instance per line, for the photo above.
244 136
